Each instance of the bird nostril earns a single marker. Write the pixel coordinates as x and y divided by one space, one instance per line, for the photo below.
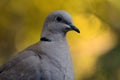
67 28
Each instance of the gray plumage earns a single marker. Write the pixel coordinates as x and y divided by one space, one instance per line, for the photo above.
49 59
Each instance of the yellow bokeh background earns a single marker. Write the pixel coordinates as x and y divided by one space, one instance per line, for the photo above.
98 20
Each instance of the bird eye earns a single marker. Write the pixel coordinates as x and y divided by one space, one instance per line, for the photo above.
58 19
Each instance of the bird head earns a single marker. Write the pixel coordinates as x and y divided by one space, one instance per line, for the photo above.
58 22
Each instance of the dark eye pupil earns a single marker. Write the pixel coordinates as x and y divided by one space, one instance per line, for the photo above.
59 19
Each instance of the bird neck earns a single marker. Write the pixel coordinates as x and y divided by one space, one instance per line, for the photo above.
58 52
51 37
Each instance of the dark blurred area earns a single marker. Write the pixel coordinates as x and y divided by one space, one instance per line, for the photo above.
14 19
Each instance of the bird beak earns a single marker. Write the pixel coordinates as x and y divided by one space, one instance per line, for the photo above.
74 28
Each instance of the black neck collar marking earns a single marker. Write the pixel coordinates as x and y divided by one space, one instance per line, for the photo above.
45 39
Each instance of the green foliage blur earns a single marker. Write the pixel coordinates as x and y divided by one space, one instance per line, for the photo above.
21 23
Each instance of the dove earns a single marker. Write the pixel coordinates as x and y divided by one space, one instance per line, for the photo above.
49 58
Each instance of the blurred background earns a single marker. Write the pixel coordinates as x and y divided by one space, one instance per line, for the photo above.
95 51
